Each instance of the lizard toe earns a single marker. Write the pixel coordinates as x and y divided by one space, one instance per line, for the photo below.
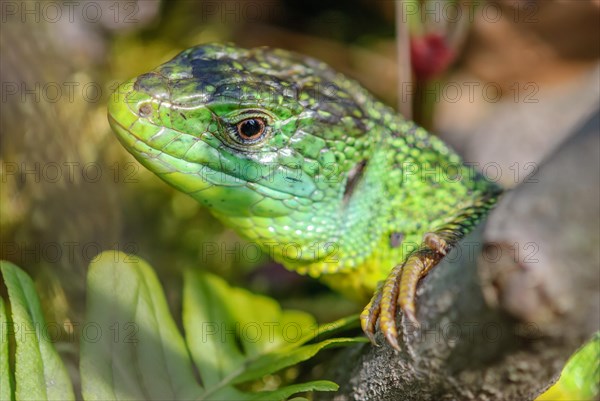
389 303
369 315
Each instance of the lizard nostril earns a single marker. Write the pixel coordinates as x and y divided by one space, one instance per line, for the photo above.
145 110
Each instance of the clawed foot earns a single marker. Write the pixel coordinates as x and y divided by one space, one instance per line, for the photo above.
383 307
400 288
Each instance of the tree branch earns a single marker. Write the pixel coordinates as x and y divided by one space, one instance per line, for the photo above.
506 308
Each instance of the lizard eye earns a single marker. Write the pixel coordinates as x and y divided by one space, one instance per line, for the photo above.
251 129
247 129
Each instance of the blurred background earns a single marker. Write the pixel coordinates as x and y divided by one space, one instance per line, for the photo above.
503 82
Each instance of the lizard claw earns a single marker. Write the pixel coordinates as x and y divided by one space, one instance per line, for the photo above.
399 289
392 339
410 315
383 308
369 315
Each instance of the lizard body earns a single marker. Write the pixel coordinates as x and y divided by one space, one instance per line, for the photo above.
305 162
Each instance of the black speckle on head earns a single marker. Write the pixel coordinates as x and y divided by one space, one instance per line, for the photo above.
224 72
210 70
205 64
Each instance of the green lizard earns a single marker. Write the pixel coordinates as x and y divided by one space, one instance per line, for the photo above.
305 162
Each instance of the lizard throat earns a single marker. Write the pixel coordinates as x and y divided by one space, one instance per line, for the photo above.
354 176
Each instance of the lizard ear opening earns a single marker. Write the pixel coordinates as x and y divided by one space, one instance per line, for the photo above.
354 176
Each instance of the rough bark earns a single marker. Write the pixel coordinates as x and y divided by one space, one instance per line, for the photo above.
505 309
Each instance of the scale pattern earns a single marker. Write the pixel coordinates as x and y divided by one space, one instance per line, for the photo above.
338 187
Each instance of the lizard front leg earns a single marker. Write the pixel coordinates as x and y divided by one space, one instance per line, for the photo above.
400 287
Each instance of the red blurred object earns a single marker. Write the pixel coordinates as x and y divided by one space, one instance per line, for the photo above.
429 55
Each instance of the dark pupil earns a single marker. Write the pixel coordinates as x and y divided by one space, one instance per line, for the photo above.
250 128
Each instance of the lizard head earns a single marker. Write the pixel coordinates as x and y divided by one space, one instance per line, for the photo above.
258 132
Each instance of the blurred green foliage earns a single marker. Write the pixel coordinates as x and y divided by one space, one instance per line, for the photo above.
131 347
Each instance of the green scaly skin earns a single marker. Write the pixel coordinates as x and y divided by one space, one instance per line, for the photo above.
299 190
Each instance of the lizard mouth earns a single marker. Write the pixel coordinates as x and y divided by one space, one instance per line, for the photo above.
165 151
190 176
199 164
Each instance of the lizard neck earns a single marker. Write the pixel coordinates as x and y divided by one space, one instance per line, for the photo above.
337 232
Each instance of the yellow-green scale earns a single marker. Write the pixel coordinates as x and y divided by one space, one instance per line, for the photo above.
338 187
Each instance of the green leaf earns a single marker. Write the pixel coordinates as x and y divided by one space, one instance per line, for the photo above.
235 336
285 392
280 359
131 348
580 378
130 345
328 329
39 371
5 374
226 326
